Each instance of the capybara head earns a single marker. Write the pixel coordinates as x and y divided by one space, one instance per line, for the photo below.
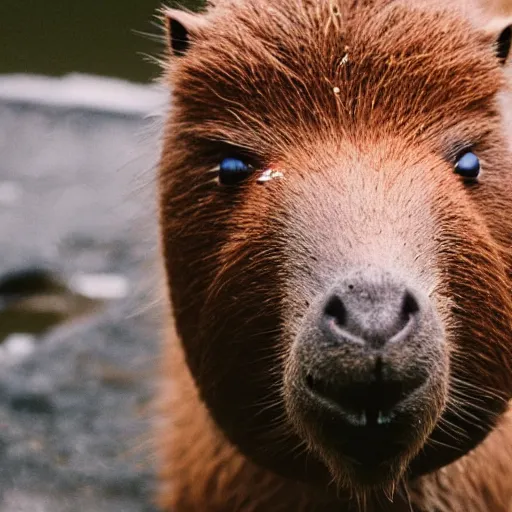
336 214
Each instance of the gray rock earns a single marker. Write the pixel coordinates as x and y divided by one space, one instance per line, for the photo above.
76 196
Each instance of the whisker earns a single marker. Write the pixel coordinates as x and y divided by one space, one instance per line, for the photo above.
451 429
478 388
463 414
407 493
435 442
471 405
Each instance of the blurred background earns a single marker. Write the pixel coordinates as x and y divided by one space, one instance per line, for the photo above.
80 118
62 36
80 122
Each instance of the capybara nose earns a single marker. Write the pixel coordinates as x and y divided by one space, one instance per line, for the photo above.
364 349
371 310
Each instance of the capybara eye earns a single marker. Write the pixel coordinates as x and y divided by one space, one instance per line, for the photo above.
233 170
468 166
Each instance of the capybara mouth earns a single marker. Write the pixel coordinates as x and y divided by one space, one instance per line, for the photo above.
365 431
359 406
366 379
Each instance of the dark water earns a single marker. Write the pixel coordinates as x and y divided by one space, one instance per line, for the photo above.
56 37
34 301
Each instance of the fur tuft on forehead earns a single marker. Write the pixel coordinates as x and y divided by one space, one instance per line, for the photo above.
294 66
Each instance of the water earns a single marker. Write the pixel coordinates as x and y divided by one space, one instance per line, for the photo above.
56 37
34 301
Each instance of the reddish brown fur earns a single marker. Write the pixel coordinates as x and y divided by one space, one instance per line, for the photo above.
388 85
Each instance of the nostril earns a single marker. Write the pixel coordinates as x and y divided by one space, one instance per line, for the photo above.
410 306
317 386
335 310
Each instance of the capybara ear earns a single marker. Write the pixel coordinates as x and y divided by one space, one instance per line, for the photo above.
500 29
181 26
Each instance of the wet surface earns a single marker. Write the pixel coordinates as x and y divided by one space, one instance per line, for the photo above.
78 327
33 301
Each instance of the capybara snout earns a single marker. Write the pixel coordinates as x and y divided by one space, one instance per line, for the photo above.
368 374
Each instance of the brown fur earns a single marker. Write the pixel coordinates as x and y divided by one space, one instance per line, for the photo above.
364 99
500 7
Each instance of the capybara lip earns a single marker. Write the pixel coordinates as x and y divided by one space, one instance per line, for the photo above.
364 403
364 441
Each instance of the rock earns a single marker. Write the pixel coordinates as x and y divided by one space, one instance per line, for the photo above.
32 403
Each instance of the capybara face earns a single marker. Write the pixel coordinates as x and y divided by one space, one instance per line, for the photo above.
335 206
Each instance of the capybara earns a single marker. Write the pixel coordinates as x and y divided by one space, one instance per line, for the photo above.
336 223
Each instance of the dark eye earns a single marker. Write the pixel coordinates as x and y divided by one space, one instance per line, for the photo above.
233 171
468 166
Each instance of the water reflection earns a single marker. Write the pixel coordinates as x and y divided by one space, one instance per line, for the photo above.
33 301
